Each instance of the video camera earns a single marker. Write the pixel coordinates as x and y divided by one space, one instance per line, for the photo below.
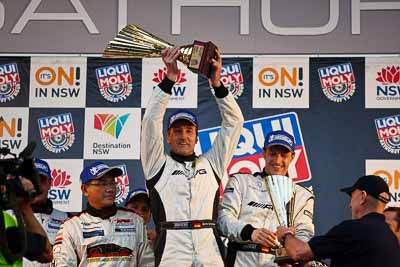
24 166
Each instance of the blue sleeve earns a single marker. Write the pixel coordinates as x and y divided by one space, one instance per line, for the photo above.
339 241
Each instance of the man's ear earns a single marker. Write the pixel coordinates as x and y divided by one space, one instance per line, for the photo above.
169 136
84 190
363 197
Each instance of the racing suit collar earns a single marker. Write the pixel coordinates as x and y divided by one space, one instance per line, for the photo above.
264 174
104 213
182 159
46 208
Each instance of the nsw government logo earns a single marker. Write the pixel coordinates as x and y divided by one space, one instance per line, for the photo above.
178 90
10 83
232 78
388 130
115 82
57 132
337 82
60 187
389 88
122 185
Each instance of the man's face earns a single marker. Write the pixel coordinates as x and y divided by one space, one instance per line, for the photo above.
182 137
390 217
141 207
45 187
277 160
101 192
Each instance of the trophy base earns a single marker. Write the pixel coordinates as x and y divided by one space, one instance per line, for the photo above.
281 257
199 61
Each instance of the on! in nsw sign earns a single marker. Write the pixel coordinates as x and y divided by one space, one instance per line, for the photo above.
248 156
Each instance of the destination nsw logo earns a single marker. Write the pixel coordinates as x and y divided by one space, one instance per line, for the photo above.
113 125
60 187
178 90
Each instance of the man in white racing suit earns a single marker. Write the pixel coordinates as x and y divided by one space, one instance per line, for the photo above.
49 217
184 187
246 214
102 235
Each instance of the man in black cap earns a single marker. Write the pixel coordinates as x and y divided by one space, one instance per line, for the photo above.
366 240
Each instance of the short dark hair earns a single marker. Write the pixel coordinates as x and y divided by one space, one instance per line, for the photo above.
397 217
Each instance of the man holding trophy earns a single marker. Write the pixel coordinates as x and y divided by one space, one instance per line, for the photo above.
184 187
254 205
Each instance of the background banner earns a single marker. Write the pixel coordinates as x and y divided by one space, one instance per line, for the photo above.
344 113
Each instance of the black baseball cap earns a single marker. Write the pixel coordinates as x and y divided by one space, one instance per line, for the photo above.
373 185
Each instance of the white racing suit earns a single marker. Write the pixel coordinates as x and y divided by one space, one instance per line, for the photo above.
88 240
184 191
246 206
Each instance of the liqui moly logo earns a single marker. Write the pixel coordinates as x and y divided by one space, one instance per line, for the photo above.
115 82
388 131
122 185
179 88
60 187
57 132
232 78
337 82
10 82
248 156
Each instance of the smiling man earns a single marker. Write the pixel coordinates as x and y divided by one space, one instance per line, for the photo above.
102 235
183 186
246 213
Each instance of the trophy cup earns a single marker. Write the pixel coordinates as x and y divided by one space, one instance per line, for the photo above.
134 42
281 190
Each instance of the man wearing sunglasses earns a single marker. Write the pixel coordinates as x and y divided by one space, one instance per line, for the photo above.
102 235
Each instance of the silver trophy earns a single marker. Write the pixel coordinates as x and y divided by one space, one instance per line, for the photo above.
282 192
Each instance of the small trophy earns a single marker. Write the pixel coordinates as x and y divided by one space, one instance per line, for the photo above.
134 42
281 190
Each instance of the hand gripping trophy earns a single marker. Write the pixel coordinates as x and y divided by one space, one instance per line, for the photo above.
134 42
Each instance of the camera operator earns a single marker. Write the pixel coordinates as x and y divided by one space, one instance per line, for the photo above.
50 218
13 237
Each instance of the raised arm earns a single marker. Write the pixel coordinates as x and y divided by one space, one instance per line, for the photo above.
151 143
226 141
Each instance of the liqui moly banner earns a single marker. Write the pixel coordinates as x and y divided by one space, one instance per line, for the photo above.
248 156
